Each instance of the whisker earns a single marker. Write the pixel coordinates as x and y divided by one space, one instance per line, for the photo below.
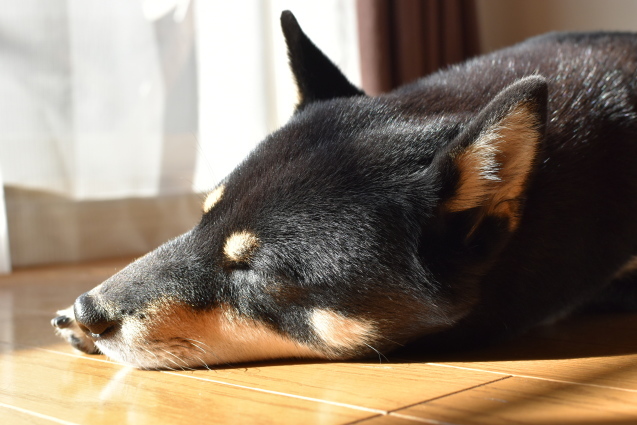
171 360
202 362
194 344
380 359
150 352
210 350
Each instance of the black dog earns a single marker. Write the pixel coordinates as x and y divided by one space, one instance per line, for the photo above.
471 204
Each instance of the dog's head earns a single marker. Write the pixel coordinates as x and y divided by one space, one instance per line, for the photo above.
359 226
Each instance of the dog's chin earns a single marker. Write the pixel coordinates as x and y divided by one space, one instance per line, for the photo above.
144 359
183 352
158 357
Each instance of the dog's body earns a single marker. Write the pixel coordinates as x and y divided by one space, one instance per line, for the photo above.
471 204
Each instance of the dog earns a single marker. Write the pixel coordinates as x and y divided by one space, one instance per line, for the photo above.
468 206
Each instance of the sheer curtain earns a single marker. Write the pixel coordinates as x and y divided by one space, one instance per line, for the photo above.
115 116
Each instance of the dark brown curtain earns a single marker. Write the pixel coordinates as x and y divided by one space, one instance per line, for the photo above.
402 40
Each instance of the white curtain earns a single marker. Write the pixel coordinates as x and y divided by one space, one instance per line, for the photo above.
104 102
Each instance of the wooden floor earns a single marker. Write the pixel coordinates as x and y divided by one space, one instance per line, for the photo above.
582 371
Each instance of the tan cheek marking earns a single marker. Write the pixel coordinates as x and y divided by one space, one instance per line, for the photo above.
242 339
217 336
240 246
156 315
213 198
339 332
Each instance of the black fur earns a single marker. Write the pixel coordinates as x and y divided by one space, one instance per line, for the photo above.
351 204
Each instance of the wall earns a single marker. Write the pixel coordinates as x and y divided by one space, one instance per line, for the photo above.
505 22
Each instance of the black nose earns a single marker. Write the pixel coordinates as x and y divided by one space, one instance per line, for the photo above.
92 318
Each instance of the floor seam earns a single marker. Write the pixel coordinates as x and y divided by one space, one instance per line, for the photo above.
539 378
407 406
36 414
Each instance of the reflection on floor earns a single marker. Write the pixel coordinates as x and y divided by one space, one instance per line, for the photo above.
582 371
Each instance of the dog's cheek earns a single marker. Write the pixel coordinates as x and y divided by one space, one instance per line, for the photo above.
174 335
238 338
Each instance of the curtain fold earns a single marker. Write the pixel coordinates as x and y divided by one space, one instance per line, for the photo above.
402 40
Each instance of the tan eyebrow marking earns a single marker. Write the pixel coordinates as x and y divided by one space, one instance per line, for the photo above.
240 246
213 198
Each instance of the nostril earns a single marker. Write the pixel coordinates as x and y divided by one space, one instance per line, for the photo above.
91 318
99 330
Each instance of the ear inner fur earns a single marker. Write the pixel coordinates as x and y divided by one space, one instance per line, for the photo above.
494 169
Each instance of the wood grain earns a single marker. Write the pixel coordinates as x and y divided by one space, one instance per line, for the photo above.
522 401
78 390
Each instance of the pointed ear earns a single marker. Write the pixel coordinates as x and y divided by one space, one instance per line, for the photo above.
317 78
487 168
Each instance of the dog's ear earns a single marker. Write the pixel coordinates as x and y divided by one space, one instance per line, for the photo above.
317 78
484 172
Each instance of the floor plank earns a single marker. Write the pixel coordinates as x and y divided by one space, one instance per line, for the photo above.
596 350
524 401
17 416
618 372
387 387
80 390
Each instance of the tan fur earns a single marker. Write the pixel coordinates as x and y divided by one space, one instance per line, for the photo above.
240 246
339 332
174 335
494 169
213 198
